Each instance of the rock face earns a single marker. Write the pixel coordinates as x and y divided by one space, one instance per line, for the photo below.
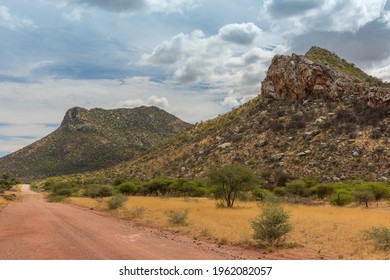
298 77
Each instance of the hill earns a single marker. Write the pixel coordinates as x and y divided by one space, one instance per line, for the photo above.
92 139
312 119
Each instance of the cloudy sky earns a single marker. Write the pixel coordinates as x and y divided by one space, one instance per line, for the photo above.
193 58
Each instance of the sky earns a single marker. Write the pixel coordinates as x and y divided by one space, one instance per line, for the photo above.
193 58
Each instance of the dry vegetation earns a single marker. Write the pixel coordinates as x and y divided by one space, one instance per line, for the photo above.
3 202
330 231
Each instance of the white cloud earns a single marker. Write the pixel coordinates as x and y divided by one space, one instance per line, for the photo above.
381 72
231 101
153 100
11 21
229 60
386 18
242 34
131 103
161 102
328 15
170 6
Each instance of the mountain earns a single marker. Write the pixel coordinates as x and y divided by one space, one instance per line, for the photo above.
93 139
317 116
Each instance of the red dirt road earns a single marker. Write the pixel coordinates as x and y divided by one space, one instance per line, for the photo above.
35 229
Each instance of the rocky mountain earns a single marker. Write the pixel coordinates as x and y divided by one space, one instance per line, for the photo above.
317 116
93 139
320 74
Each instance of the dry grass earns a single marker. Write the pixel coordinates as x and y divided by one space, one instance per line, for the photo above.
3 202
326 230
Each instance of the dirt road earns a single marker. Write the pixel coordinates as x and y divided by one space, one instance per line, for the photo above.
35 229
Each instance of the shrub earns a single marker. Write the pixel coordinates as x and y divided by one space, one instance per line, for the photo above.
177 217
117 201
340 198
298 188
98 191
280 191
380 236
117 182
156 187
127 188
323 190
380 190
136 212
261 194
271 226
59 191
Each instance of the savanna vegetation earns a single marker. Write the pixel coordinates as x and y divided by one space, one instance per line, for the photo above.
7 182
234 205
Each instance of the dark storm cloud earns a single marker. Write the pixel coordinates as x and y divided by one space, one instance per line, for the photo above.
365 47
287 8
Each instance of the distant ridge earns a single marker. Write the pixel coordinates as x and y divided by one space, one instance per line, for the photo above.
92 139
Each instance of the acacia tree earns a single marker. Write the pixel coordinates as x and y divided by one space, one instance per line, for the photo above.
231 179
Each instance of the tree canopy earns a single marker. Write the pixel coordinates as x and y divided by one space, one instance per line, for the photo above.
231 179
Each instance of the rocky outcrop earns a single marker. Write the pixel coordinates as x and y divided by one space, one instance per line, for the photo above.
297 77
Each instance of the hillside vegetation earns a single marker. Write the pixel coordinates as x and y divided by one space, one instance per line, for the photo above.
92 139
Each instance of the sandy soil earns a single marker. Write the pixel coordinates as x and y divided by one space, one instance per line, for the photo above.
35 229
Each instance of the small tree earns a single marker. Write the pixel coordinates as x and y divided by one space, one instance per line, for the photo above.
381 190
271 226
364 196
323 190
231 179
127 188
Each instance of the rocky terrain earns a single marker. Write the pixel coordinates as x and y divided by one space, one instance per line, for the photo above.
317 116
92 139
298 77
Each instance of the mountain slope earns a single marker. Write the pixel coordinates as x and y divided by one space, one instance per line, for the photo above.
92 139
310 120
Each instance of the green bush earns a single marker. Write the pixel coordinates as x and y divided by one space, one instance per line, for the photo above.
280 191
59 191
177 217
341 197
94 191
380 190
298 188
380 236
127 188
323 190
261 194
117 201
271 226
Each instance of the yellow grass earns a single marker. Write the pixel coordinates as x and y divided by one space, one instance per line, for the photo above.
15 191
3 202
326 230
